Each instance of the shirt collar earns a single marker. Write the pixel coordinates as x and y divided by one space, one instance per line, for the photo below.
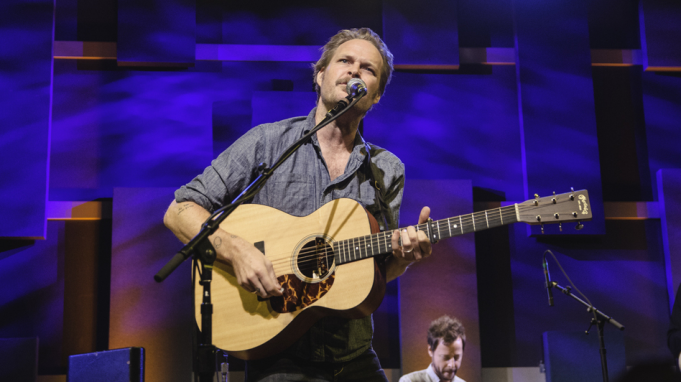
357 151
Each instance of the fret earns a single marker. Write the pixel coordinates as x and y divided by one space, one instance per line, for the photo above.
361 249
501 216
358 248
486 219
338 248
361 241
346 251
355 248
367 246
437 224
461 224
343 251
473 219
449 224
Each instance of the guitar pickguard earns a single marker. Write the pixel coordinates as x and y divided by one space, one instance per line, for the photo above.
299 294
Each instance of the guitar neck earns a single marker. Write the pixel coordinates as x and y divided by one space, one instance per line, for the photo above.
363 247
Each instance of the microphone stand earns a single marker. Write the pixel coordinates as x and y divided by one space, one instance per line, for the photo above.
204 252
599 320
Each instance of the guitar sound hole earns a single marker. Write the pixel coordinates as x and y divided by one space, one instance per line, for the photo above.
315 259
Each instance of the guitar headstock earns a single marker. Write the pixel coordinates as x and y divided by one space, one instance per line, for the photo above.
568 207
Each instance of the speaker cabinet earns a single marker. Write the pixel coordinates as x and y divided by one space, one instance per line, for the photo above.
119 365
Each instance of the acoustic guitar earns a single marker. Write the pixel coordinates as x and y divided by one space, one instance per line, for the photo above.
326 263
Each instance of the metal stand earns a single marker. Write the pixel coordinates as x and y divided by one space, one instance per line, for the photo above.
205 352
599 320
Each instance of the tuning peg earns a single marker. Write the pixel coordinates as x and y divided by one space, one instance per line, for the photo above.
579 226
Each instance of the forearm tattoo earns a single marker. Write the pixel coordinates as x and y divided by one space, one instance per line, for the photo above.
184 207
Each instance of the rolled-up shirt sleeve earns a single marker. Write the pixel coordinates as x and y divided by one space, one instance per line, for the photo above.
227 175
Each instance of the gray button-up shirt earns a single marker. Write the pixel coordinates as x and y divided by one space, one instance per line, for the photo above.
299 187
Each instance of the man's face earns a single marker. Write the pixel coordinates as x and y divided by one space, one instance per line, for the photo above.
447 359
352 59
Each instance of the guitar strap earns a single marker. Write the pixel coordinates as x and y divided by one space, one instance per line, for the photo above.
382 206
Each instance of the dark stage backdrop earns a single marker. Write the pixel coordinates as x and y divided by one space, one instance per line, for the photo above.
110 105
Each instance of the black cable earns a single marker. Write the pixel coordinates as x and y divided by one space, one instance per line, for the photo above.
591 306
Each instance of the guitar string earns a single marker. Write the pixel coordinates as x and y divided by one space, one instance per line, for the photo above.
375 240
423 227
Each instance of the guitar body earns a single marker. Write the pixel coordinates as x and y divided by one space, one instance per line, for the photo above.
318 282
248 327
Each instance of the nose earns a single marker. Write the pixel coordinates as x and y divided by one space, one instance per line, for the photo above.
354 70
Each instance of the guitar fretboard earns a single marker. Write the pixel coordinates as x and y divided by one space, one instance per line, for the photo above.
363 247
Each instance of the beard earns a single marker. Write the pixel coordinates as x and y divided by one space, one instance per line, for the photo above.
331 95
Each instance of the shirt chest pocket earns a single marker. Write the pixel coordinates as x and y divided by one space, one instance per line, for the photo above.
290 193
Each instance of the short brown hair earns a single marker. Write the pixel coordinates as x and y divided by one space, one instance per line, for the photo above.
346 35
446 329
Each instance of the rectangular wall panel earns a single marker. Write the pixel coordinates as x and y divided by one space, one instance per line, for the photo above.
573 356
660 34
32 283
556 103
422 33
445 283
26 34
156 32
662 113
669 196
144 313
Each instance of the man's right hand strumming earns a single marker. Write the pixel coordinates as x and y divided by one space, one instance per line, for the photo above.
253 271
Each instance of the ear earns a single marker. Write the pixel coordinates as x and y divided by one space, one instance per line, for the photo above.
377 98
320 76
430 352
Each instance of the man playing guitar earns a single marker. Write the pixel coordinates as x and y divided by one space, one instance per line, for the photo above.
335 164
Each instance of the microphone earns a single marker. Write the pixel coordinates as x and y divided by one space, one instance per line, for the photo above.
549 285
355 87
